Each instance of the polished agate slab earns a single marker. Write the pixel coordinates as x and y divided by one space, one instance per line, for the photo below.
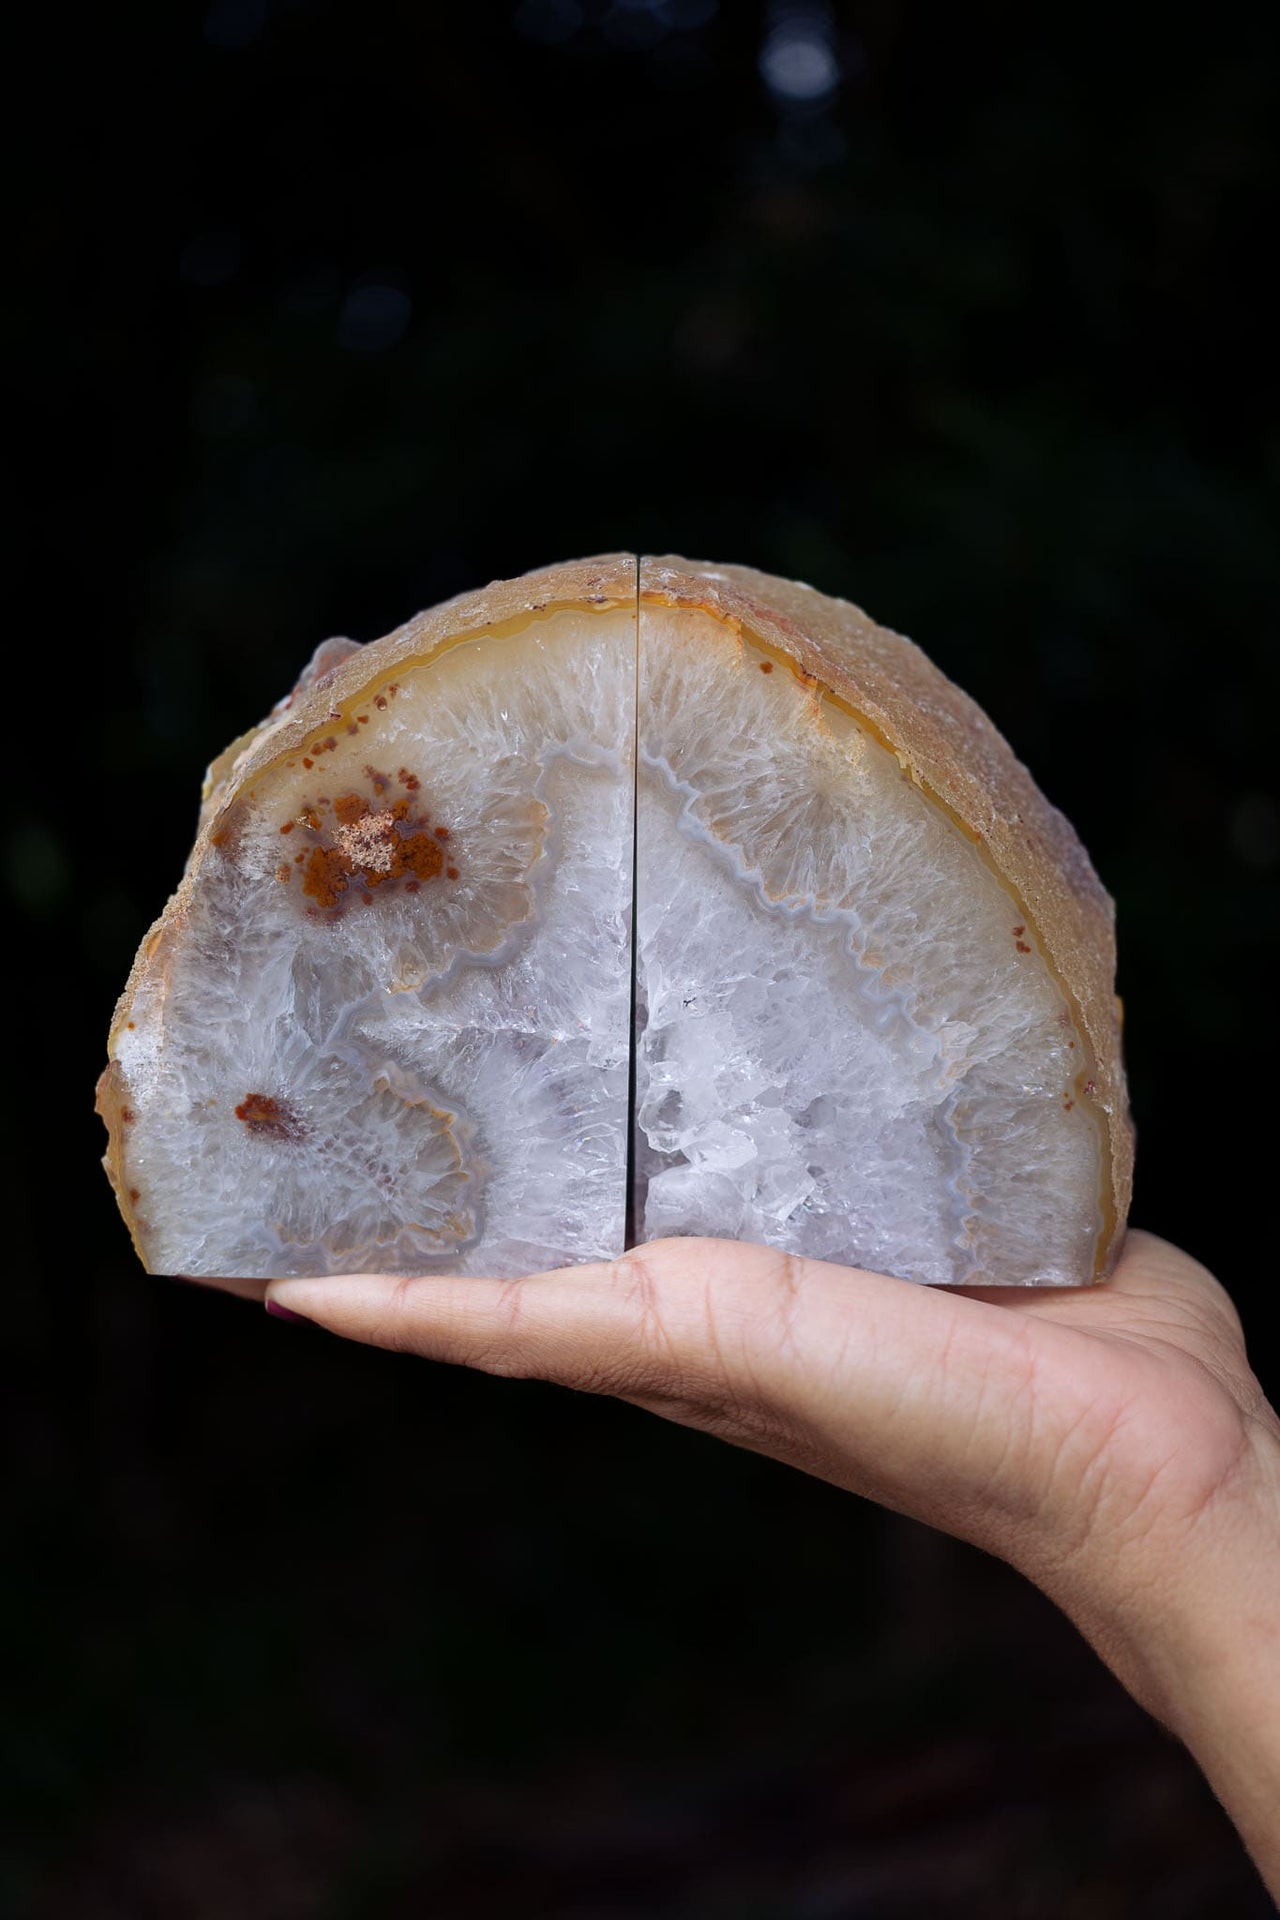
625 901
846 1045
391 1025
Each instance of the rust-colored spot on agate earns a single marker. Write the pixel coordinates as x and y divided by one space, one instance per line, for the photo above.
370 845
271 1118
325 875
422 856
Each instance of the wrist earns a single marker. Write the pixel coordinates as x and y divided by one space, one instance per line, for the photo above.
1212 1613
1195 1637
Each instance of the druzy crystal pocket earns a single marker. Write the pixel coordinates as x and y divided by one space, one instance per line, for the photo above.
624 893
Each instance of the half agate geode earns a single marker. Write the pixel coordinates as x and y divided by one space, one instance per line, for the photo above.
630 898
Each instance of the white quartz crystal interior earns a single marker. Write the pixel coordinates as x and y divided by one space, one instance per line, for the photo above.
395 1033
395 1029
848 1045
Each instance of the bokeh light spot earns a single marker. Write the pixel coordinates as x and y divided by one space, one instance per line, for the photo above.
798 62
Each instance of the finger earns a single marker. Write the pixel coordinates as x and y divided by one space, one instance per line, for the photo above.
670 1316
919 1398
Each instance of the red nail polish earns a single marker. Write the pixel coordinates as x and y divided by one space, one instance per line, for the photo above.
283 1313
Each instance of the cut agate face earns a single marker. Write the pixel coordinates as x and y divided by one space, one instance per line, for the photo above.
625 900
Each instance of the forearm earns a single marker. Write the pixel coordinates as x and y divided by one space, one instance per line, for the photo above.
1224 1703
1229 1719
1200 1649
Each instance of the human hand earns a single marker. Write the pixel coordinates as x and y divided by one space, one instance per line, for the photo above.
1110 1442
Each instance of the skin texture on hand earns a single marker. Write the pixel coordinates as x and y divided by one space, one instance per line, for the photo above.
1110 1442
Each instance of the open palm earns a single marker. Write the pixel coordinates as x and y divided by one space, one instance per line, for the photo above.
1111 1442
1050 1426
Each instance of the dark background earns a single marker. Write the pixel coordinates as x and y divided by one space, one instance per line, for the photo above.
323 312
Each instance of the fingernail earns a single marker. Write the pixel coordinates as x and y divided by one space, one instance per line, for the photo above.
284 1313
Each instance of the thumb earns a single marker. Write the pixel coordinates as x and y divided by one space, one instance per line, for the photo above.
909 1395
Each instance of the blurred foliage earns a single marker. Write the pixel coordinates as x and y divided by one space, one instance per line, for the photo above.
324 313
